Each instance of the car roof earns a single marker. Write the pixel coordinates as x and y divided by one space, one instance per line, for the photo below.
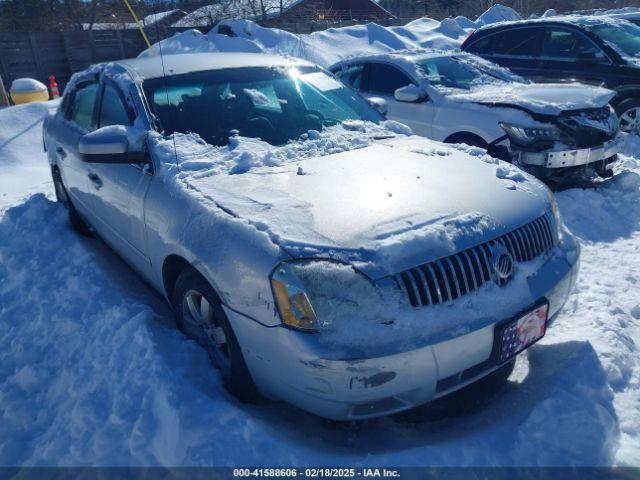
177 64
576 20
401 55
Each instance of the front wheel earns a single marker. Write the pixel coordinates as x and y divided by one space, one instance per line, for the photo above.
629 115
199 315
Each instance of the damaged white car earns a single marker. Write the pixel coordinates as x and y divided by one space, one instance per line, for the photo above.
323 256
547 129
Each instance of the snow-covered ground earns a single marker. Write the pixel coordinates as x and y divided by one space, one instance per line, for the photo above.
93 371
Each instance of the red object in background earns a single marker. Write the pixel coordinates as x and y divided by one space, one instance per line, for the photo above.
55 93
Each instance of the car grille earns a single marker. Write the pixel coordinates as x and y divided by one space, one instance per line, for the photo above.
587 128
448 278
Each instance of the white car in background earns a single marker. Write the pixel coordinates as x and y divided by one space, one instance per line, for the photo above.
457 97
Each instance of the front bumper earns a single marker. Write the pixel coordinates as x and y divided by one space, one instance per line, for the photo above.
571 158
291 366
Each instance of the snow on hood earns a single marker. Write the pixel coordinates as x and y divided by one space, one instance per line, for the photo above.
383 205
547 99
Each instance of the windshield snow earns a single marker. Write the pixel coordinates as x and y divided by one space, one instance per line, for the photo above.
624 36
463 72
275 105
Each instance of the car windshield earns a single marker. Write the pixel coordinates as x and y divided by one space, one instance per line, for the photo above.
623 36
463 72
274 104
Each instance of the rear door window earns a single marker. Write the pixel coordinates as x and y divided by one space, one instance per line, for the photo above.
568 45
84 100
386 79
516 42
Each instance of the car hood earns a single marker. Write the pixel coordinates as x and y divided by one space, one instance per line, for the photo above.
545 99
385 207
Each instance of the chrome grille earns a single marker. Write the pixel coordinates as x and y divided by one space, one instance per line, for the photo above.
448 278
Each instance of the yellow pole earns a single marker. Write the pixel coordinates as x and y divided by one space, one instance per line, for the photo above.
135 17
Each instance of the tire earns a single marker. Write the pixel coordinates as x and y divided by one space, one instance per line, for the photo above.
476 141
199 315
629 115
78 224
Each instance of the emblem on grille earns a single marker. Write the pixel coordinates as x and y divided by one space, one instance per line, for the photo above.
502 263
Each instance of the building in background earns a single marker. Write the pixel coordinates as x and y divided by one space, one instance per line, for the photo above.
279 12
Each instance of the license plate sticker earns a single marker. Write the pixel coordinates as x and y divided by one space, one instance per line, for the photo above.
523 332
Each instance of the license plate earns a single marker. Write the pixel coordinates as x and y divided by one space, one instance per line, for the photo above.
523 332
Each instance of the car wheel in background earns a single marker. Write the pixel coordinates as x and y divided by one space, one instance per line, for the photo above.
475 141
199 315
629 115
62 196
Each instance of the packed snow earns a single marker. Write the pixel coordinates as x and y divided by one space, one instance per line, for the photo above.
329 46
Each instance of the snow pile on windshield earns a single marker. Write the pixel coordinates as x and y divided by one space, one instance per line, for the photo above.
189 153
329 46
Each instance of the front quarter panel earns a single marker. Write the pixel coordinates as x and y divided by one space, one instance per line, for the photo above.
233 255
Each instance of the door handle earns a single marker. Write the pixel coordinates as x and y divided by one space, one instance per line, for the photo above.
95 179
61 153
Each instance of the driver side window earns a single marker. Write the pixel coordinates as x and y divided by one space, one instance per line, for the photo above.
567 45
386 79
352 75
112 110
82 104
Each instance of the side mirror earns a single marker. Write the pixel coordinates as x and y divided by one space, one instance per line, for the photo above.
410 93
380 104
113 144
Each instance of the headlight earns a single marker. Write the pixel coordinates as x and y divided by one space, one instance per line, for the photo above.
529 134
557 216
318 294
291 299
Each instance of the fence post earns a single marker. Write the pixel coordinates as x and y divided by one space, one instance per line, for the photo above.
120 44
67 54
36 55
4 98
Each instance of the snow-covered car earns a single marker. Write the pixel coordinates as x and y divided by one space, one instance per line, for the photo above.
461 98
324 256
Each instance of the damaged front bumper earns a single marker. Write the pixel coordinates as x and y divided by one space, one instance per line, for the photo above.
554 159
295 367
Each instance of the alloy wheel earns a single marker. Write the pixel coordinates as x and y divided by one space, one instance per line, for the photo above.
630 120
200 321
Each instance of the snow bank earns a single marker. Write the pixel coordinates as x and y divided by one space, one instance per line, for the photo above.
23 165
329 46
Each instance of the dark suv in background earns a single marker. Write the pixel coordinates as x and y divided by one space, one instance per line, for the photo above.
594 50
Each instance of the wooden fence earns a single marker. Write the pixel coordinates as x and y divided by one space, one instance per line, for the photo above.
40 54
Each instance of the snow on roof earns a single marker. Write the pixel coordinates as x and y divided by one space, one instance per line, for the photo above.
150 67
332 45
